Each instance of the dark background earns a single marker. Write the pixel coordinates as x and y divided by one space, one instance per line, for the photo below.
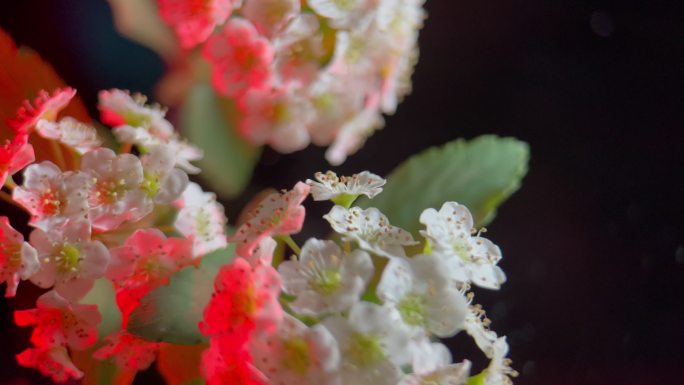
593 242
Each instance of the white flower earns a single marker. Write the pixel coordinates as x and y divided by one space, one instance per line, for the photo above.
342 13
118 108
372 344
69 131
324 279
471 258
162 182
299 50
135 123
424 300
18 259
371 229
201 219
278 118
70 260
334 105
330 187
353 134
477 326
499 371
297 354
116 195
270 15
52 197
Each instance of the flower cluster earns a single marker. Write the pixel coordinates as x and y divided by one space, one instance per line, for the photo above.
103 214
366 309
320 71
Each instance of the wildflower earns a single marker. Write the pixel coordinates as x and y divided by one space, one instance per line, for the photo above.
145 261
69 131
324 279
162 182
299 50
18 259
45 106
119 108
15 154
228 362
270 16
371 229
240 58
70 260
470 257
195 20
202 219
297 354
117 194
60 323
353 134
51 196
424 301
372 344
245 298
499 371
129 352
343 189
342 14
51 361
277 214
278 118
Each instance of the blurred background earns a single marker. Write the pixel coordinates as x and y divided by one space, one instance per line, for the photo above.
594 240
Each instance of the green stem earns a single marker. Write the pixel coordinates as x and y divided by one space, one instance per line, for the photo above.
291 243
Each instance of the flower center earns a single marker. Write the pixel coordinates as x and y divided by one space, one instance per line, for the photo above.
109 191
412 310
344 4
49 202
68 259
461 249
203 224
326 282
150 184
12 253
364 350
296 355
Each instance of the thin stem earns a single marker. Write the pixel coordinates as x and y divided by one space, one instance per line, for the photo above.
9 183
8 198
291 243
59 156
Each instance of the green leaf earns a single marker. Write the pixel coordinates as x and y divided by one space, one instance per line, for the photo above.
171 313
480 173
103 295
228 160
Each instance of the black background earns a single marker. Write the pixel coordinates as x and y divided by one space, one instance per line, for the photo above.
593 242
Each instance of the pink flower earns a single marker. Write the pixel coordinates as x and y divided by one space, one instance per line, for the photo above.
70 261
128 351
195 20
51 196
277 214
53 362
69 131
245 299
60 323
163 183
278 118
119 108
116 194
44 107
18 259
144 262
240 58
201 219
15 155
227 361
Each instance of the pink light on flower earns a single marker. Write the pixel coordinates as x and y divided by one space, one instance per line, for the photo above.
240 58
53 362
44 107
195 20
18 259
245 298
60 323
15 154
128 351
228 362
277 214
